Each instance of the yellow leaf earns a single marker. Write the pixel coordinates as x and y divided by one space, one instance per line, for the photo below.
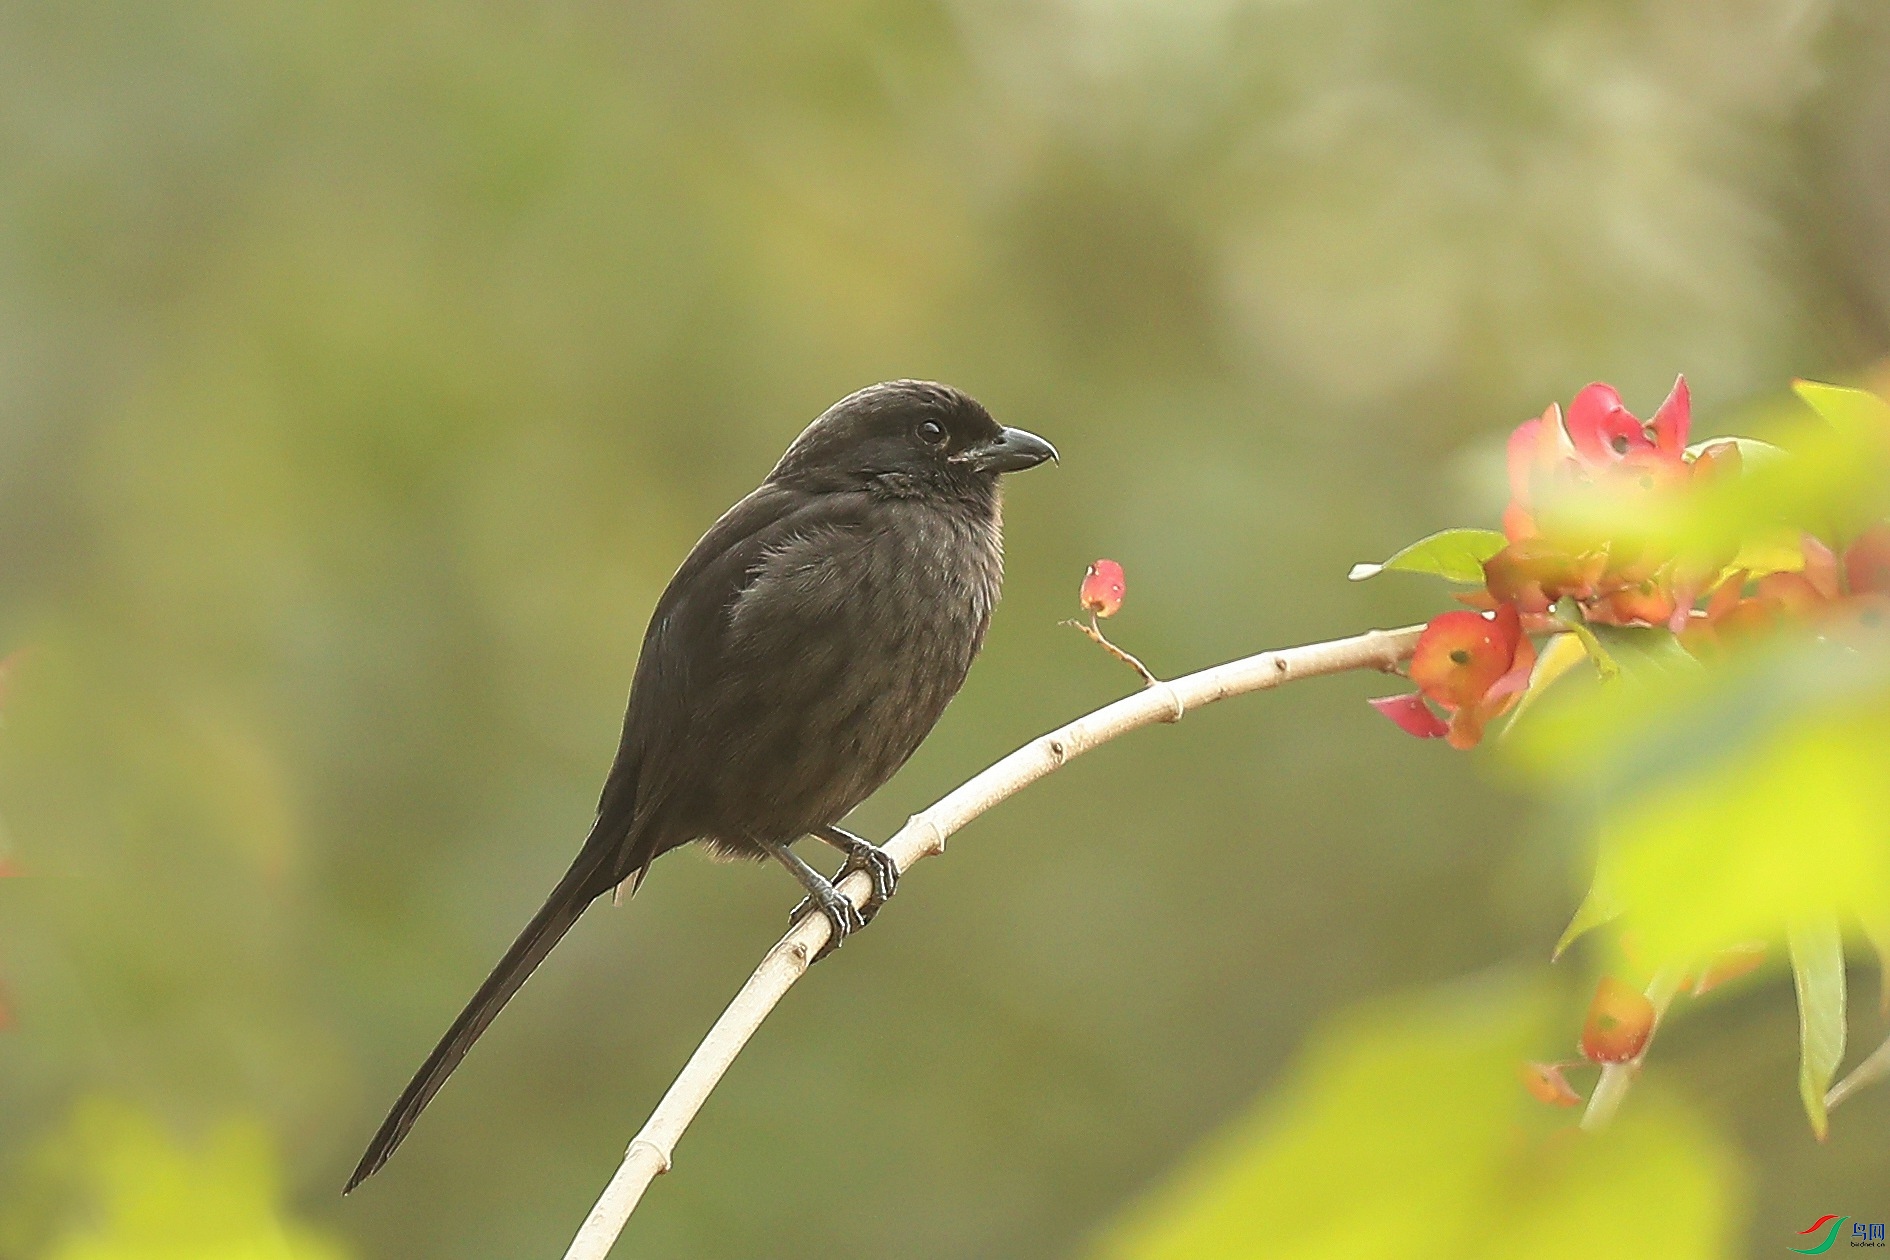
1818 975
1560 654
1732 802
145 1197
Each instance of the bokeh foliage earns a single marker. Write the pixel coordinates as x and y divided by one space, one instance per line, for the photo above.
365 369
1733 779
1457 1164
128 1189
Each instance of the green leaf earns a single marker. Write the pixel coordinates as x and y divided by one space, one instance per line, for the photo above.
1775 549
1569 613
1752 452
1852 412
1597 908
1454 554
1642 651
1818 971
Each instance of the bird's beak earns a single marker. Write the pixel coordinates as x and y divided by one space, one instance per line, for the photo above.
1013 450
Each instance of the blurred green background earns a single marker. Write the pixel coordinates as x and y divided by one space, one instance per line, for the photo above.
366 369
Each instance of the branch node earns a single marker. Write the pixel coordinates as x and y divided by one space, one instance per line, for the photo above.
937 844
1174 698
1058 753
662 1156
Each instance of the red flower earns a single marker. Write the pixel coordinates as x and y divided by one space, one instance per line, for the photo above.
1533 575
1471 665
1460 655
1562 475
1620 1020
1604 432
1836 596
1412 715
1634 594
1104 586
1602 442
1867 561
1729 619
1539 449
1546 1082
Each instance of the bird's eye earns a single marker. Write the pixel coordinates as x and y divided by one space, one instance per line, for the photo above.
931 432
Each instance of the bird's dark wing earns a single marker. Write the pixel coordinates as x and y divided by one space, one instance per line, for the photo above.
684 641
687 658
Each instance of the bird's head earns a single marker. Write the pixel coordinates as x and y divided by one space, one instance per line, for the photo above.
909 437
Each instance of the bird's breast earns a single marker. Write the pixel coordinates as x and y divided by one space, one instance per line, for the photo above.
879 625
911 580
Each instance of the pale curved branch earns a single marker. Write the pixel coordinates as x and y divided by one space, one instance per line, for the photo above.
924 835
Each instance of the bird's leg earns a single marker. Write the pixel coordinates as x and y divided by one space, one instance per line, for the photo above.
864 855
842 915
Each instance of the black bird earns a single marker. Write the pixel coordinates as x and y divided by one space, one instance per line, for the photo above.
803 650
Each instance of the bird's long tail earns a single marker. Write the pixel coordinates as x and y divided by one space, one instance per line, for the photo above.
580 886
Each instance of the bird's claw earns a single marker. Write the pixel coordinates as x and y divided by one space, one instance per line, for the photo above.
864 855
879 865
842 917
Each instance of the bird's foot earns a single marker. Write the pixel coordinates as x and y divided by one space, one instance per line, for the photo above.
864 855
842 915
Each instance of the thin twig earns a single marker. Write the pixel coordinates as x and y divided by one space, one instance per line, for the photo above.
924 834
1871 1070
1101 640
1616 1077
